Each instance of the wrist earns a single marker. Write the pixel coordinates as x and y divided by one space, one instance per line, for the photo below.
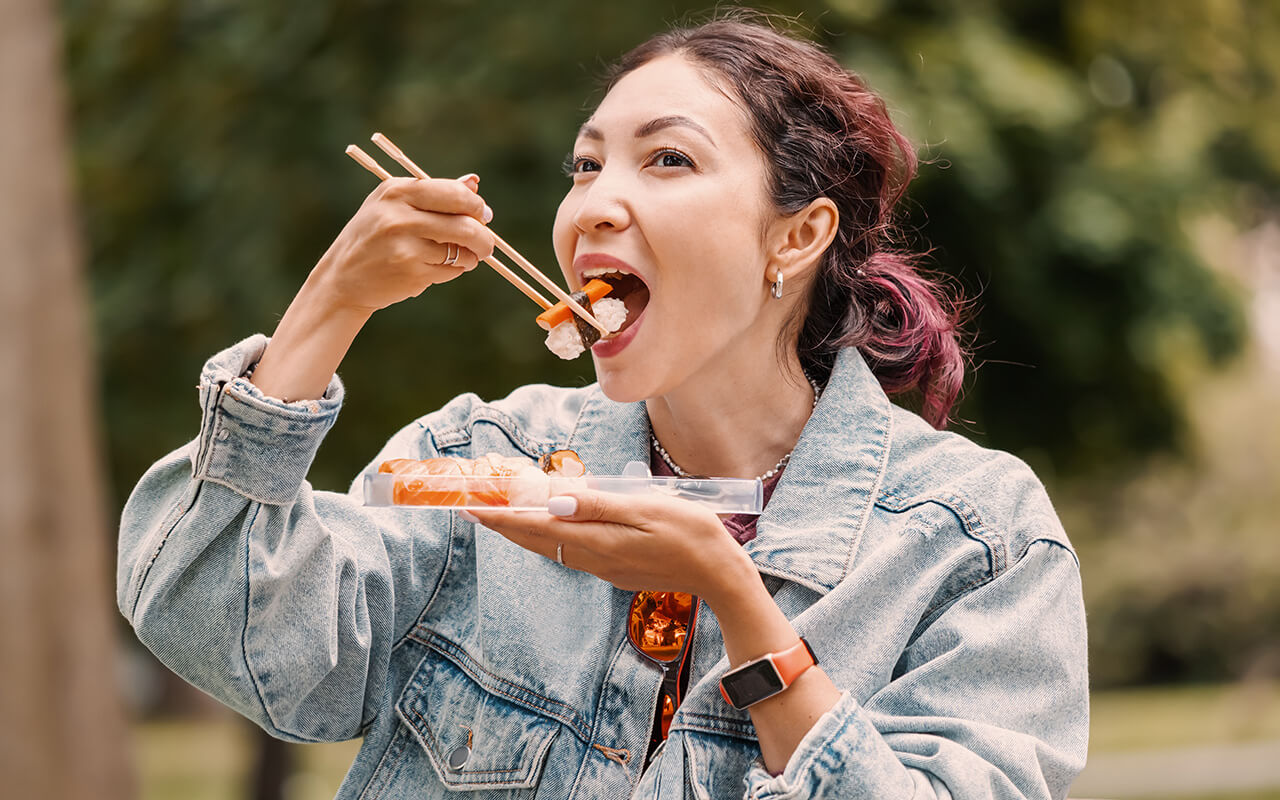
308 345
734 582
323 297
751 623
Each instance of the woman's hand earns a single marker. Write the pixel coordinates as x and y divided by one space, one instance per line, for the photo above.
394 247
634 542
399 241
668 544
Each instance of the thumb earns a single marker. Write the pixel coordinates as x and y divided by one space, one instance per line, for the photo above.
585 506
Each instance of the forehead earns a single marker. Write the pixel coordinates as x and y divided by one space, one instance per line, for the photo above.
665 87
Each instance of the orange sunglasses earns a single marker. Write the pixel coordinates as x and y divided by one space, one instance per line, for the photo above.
659 625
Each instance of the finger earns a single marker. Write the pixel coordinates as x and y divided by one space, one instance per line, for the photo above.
585 505
467 260
437 254
444 229
529 530
442 195
460 230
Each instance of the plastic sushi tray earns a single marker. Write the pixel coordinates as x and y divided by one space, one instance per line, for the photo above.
525 493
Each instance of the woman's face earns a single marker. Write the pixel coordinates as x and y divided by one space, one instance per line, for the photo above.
669 187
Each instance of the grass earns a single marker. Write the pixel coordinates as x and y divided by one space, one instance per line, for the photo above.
211 759
1167 717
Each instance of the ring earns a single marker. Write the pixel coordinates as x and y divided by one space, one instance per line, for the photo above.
560 553
452 251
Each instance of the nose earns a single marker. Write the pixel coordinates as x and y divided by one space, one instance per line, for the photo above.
602 204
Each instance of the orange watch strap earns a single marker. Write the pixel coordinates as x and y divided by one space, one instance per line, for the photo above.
793 661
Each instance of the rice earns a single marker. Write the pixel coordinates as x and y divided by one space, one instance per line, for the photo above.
611 312
529 487
564 341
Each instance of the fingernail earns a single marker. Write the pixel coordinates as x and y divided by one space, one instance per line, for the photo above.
467 515
470 177
562 506
488 214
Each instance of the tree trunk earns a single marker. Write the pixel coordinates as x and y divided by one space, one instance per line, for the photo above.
272 766
62 727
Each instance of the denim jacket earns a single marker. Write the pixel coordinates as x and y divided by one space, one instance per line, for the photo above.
931 577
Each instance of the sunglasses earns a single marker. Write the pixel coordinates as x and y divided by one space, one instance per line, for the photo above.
659 625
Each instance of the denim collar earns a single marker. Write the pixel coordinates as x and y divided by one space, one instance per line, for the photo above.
810 530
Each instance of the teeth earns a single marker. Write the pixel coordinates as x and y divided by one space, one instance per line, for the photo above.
597 272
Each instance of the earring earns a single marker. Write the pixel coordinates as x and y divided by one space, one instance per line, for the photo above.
777 284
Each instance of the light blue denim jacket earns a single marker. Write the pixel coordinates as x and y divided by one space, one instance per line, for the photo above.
931 577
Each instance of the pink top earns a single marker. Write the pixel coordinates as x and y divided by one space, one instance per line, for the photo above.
742 527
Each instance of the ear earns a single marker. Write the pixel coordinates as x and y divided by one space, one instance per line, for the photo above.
797 242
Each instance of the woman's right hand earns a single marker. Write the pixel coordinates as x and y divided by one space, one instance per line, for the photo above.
396 244
392 249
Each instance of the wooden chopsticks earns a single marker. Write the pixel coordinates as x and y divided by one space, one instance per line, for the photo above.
366 161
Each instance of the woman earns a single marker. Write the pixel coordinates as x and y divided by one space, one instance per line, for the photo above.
747 182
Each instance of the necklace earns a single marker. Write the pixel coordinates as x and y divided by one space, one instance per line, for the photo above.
782 462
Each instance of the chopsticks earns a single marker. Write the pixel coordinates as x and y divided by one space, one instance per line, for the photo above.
366 161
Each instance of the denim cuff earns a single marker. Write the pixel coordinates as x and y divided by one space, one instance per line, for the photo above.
257 445
842 755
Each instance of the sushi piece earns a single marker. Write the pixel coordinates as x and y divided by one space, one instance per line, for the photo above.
563 464
571 338
418 483
490 480
569 335
560 312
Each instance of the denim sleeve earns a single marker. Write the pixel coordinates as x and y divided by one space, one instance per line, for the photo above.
282 602
993 702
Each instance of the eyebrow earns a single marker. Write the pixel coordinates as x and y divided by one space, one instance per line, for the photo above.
651 127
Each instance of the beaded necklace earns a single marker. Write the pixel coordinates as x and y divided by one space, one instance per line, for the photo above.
782 462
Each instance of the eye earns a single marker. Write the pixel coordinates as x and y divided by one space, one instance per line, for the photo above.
576 165
668 157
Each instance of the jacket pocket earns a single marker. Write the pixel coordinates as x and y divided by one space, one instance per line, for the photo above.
716 766
474 737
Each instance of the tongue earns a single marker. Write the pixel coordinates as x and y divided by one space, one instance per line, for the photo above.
635 301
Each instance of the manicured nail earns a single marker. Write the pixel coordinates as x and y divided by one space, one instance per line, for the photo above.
467 515
562 506
488 214
470 177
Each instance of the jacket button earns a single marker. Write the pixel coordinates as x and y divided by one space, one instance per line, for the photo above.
459 756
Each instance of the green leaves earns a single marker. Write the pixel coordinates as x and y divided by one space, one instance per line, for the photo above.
1070 150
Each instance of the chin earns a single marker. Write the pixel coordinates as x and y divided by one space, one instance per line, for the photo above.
623 386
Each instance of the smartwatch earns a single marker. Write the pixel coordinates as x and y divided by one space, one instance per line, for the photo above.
763 677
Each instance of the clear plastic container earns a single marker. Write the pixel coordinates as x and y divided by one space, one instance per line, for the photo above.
720 495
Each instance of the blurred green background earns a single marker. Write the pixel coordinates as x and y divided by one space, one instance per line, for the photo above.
1101 178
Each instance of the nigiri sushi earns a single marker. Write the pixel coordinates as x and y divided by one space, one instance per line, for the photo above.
568 334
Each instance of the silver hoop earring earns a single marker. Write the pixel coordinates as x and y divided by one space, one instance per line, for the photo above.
777 284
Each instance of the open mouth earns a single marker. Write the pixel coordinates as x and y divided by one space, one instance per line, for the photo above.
630 289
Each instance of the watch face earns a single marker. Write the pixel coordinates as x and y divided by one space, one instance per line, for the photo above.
752 684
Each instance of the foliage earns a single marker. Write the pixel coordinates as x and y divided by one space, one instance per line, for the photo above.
1180 558
1072 150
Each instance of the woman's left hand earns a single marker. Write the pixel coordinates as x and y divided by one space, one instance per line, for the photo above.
634 542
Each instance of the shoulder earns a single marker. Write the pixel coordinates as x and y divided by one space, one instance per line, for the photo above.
994 496
534 418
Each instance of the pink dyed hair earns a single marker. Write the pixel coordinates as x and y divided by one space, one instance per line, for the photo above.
825 133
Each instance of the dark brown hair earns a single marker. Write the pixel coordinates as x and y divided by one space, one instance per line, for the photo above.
824 133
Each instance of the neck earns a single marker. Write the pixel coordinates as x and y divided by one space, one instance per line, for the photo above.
733 425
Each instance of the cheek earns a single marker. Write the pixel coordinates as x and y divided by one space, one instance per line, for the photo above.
563 239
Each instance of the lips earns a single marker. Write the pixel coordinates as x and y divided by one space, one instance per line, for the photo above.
618 341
